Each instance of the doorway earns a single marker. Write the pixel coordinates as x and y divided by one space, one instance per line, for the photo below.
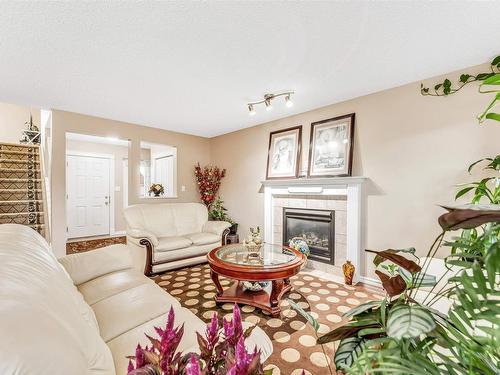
88 192
96 186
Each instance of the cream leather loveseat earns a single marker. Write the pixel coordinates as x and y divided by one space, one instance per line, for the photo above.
171 235
85 317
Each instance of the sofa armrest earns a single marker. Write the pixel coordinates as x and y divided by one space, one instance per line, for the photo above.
141 233
83 267
216 227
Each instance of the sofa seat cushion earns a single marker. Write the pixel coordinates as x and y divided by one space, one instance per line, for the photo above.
203 238
172 243
108 285
190 252
131 308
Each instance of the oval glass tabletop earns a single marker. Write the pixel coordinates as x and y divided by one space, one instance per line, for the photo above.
268 255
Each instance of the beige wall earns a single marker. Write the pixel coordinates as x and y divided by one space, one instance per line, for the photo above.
120 153
413 149
190 150
12 119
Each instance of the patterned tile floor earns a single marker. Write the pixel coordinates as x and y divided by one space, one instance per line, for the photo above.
293 340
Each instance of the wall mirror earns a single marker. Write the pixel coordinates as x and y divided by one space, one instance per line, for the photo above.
158 171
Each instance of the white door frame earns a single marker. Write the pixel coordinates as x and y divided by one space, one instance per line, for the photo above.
111 206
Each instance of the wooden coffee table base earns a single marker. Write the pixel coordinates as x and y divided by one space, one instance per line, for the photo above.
267 299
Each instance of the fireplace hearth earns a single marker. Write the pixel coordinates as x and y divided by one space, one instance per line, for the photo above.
316 227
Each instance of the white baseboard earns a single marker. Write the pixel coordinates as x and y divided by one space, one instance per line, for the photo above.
370 281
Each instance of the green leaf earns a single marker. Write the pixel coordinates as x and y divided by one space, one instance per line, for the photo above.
423 279
476 162
464 78
447 83
493 80
407 321
493 116
438 86
383 308
349 349
483 76
371 331
362 308
344 332
464 191
310 319
496 61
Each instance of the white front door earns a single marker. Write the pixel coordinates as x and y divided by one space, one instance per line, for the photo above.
88 196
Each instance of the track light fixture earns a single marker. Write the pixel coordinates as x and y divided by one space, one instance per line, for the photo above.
267 101
251 110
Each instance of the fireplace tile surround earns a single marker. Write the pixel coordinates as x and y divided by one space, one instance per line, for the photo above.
341 194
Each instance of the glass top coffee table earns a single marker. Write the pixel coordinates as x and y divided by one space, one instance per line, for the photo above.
274 264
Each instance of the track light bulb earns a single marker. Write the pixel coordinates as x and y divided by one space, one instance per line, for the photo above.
288 101
268 105
251 110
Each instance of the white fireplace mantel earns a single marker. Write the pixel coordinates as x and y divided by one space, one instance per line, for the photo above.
335 181
349 186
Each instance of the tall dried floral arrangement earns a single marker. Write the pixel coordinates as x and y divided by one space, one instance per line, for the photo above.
208 180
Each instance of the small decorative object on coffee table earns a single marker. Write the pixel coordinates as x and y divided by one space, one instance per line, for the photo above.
348 270
300 244
156 189
275 265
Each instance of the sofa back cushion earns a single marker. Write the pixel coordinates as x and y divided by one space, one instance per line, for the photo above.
47 328
167 219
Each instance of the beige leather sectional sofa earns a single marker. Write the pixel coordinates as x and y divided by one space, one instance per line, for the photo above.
82 314
171 235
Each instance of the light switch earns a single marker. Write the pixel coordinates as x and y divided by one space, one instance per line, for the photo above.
118 188
183 188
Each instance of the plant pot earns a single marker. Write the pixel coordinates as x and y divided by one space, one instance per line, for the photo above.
233 228
157 194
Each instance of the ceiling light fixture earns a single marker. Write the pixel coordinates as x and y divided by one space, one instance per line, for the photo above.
267 101
268 104
251 110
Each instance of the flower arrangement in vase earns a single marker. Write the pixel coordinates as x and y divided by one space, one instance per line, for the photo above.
156 189
222 351
208 180
298 243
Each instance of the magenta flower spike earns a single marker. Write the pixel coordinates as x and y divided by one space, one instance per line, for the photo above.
233 330
193 368
213 330
130 367
228 355
139 356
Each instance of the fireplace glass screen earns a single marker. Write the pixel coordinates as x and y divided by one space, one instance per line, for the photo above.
316 227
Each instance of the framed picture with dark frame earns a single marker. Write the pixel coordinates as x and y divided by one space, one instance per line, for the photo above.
283 156
331 147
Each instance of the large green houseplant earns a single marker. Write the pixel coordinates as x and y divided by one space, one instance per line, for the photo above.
404 333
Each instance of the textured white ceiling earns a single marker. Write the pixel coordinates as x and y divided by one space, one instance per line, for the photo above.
192 66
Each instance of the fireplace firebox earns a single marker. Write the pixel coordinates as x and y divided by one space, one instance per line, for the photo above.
316 227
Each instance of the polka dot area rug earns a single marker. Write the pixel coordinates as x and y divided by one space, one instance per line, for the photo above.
294 341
